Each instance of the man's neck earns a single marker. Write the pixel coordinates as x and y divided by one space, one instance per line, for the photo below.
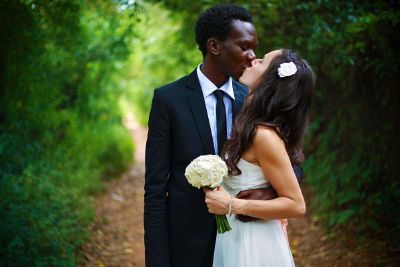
213 73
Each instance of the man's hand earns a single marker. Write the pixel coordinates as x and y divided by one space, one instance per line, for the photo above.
257 194
260 194
264 194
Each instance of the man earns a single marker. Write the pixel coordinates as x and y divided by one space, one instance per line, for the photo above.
186 121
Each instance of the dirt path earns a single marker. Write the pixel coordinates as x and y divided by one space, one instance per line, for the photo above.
117 233
311 246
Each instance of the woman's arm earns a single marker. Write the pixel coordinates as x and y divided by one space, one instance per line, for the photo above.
270 152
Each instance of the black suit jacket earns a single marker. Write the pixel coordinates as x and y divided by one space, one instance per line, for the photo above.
179 230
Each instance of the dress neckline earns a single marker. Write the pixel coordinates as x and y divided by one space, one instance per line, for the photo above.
249 163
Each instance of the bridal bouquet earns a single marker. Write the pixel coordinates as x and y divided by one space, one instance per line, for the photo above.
208 171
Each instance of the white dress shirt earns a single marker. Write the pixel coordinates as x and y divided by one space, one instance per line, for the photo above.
208 88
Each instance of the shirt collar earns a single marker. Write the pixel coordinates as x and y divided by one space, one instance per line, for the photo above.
208 87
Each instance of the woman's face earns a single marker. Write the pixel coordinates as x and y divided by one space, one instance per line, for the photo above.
252 75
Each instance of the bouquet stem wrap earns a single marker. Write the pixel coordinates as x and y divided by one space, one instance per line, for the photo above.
209 171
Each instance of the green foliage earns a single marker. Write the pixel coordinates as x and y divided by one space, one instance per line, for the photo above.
116 152
161 55
61 64
43 223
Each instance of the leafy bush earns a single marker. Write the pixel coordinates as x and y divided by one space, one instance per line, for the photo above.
42 223
116 154
161 55
60 69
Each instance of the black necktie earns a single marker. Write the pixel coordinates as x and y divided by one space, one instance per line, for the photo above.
221 119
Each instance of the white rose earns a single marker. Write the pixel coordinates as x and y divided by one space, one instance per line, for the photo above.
208 170
287 69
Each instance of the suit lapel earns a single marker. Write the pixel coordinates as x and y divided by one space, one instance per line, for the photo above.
199 112
240 92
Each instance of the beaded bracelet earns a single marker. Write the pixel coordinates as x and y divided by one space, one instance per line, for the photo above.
230 205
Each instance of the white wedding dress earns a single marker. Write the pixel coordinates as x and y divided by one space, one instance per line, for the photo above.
260 243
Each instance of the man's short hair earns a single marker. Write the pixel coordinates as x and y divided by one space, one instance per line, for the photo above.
216 22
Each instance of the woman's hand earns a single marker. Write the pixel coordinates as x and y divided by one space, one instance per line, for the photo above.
217 200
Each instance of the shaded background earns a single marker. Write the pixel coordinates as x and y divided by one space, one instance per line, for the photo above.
71 70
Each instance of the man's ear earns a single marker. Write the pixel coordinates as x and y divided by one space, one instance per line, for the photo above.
213 46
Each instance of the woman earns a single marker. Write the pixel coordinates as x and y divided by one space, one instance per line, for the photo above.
267 139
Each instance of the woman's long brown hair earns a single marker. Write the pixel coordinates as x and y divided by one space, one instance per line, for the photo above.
282 104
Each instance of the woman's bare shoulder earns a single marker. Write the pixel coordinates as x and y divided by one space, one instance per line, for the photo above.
266 134
267 140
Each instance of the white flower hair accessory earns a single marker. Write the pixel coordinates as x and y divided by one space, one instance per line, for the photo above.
287 69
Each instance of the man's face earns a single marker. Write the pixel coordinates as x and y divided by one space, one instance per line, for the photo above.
237 51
